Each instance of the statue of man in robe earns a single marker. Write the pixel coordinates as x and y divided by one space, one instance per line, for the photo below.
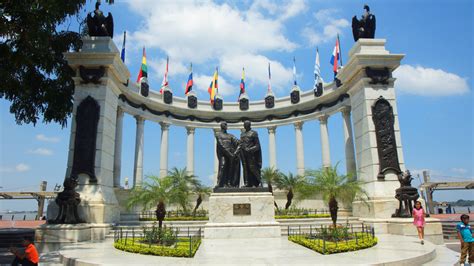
227 154
251 156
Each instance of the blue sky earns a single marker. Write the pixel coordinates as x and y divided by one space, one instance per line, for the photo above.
434 86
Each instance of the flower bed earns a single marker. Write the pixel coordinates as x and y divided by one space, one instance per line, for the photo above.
355 241
183 247
182 218
322 215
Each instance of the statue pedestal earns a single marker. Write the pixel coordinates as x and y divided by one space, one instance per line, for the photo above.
241 215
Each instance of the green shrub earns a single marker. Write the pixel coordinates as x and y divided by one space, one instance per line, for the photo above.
183 218
302 216
363 241
137 245
165 236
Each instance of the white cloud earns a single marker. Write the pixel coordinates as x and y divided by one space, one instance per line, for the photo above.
44 138
41 151
325 28
21 167
461 171
423 81
202 84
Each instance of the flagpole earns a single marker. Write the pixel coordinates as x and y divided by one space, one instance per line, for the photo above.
340 51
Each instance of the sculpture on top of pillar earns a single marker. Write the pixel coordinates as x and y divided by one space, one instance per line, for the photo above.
68 201
406 196
251 156
228 155
100 25
365 27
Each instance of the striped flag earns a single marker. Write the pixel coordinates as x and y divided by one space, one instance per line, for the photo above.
336 56
213 88
269 78
122 55
190 83
242 84
164 83
143 69
317 70
294 71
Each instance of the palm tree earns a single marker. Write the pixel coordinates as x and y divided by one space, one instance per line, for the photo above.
269 176
183 184
200 190
290 183
155 191
334 187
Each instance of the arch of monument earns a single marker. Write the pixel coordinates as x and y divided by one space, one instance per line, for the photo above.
365 78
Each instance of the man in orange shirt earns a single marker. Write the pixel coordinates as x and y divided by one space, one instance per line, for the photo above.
29 257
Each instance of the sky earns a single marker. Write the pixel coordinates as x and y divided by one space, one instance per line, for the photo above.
434 82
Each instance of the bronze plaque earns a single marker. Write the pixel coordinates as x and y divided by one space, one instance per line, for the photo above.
242 209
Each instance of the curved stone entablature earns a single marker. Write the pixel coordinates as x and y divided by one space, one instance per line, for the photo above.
309 107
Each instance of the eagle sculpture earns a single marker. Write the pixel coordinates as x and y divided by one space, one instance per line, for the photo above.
365 27
99 25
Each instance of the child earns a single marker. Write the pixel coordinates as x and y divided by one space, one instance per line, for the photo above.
419 220
467 241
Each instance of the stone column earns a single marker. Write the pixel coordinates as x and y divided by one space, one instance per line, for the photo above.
190 151
138 165
272 147
164 149
299 148
118 147
323 126
348 142
216 160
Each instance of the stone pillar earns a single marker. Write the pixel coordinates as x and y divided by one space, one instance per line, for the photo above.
272 147
118 147
348 142
103 74
368 76
190 151
164 149
138 165
326 154
216 160
299 148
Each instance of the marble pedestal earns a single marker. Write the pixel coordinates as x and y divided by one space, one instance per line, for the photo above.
241 215
51 237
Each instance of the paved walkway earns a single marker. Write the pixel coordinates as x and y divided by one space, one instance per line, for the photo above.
391 250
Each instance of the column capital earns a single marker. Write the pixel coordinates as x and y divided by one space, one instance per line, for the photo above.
190 130
323 119
346 111
299 125
140 119
120 111
165 125
272 129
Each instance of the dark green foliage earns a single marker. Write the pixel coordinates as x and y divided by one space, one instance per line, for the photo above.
35 76
163 236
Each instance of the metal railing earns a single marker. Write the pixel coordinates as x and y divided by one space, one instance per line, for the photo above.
130 235
298 212
323 235
151 215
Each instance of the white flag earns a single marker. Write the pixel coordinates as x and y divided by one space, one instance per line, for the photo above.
317 70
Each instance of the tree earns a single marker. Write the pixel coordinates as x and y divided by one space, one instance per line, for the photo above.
290 183
35 76
155 191
183 185
269 176
334 187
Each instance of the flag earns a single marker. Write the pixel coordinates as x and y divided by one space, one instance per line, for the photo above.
189 84
242 83
213 88
122 55
335 57
294 71
164 83
143 69
317 70
269 79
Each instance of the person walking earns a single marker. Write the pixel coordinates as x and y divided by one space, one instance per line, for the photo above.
466 238
419 220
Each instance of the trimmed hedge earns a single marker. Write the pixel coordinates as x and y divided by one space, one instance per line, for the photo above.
180 250
183 218
322 215
331 248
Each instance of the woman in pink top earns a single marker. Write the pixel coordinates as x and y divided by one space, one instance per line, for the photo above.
419 220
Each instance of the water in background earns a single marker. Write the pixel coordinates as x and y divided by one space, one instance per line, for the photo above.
18 216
